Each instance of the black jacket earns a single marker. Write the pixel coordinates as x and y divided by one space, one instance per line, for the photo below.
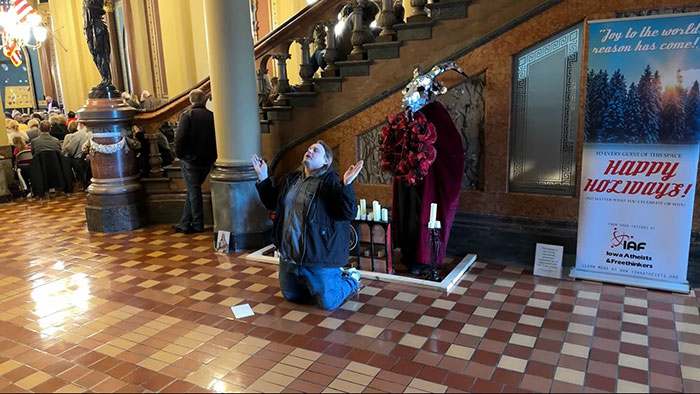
195 140
59 131
50 169
327 229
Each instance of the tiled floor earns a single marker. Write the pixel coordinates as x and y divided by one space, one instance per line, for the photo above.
149 311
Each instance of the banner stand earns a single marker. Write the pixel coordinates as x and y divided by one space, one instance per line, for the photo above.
631 281
639 162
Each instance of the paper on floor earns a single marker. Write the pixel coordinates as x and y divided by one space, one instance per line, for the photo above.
241 311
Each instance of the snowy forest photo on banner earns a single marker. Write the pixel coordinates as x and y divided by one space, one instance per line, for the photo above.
640 154
652 95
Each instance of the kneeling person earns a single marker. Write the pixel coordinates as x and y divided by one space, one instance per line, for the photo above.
313 208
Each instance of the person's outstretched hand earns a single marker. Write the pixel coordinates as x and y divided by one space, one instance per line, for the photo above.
260 167
352 172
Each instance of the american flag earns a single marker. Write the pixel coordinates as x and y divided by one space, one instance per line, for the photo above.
22 8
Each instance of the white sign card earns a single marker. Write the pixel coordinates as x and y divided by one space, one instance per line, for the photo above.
241 311
548 260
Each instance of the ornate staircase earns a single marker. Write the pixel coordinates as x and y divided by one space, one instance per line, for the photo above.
432 33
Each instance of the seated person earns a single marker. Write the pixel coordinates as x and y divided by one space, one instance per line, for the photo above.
45 141
148 102
22 162
130 100
72 148
168 130
71 117
313 209
72 128
274 92
33 131
58 128
13 131
20 146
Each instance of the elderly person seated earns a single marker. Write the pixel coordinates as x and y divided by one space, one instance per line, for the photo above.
45 141
58 127
129 100
72 148
72 128
23 159
33 131
13 131
148 102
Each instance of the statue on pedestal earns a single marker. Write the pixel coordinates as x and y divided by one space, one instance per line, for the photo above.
97 37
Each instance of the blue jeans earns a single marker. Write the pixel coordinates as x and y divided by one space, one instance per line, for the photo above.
327 286
193 213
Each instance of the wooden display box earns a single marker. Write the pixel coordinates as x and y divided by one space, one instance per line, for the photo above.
373 250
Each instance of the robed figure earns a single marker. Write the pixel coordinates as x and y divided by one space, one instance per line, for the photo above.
97 37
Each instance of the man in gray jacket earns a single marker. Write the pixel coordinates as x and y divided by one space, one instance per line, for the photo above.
45 142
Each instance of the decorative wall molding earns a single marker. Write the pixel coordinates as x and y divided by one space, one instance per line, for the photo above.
254 19
368 150
466 105
156 48
657 11
566 46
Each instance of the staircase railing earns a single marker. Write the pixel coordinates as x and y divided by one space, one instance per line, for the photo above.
275 42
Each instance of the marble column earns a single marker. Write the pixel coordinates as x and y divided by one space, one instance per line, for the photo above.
3 133
115 200
235 201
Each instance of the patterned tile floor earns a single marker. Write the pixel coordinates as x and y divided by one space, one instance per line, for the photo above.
149 311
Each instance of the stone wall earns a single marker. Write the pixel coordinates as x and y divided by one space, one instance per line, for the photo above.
486 186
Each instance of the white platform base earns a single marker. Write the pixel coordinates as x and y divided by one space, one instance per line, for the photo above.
450 281
631 281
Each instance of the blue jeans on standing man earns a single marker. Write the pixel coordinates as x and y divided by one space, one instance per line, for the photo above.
328 287
193 213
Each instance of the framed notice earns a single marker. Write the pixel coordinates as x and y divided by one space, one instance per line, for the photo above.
18 97
548 260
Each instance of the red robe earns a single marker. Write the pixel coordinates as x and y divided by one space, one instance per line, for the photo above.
442 185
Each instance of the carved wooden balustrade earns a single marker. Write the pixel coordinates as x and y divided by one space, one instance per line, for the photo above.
316 30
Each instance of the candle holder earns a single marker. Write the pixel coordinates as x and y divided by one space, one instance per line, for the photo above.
432 275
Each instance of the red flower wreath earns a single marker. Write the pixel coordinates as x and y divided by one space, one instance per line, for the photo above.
407 147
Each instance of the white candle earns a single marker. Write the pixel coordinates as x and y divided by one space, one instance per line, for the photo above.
363 206
357 216
377 209
363 216
433 212
437 224
385 215
370 216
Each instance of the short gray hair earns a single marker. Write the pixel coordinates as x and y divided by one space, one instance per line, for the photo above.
197 96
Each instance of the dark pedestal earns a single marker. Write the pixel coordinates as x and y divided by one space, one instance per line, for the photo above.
110 214
237 207
116 198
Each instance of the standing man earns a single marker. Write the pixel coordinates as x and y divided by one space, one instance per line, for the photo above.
195 145
49 104
313 208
